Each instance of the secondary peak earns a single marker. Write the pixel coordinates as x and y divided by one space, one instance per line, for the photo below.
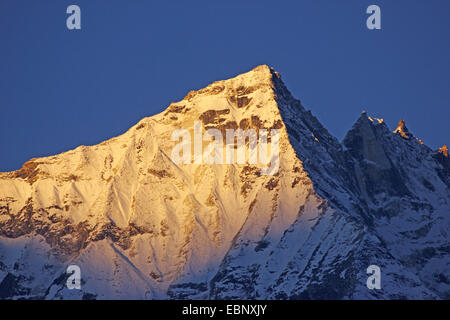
402 130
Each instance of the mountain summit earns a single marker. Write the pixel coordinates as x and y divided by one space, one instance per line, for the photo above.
141 225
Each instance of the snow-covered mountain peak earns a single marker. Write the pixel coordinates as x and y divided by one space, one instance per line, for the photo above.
248 91
141 225
240 85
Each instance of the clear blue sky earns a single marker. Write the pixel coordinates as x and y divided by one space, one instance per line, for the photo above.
60 88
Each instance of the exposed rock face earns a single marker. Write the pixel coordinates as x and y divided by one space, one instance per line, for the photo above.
374 170
141 226
442 157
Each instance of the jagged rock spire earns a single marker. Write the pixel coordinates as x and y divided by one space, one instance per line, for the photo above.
443 150
402 130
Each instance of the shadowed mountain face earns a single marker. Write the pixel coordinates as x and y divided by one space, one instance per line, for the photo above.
141 225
